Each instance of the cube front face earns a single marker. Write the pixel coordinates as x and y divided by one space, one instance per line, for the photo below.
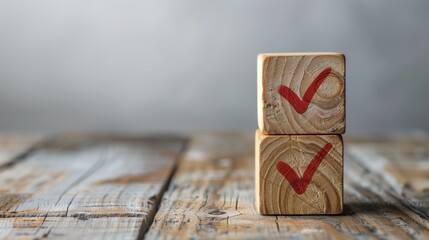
301 93
299 174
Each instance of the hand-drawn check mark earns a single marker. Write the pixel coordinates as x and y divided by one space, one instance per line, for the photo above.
301 184
302 105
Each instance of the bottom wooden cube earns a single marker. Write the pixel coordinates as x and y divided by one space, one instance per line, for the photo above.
299 174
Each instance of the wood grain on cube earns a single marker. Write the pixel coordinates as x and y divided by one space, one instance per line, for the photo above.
276 194
82 187
302 73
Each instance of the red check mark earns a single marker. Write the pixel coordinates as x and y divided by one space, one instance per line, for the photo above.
301 184
302 105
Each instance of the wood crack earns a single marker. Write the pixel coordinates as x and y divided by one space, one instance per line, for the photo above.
97 165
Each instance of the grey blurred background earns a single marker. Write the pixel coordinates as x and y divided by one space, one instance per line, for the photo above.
158 66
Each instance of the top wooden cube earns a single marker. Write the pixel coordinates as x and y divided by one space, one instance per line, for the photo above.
301 93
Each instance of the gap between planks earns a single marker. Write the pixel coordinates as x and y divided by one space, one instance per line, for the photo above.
179 156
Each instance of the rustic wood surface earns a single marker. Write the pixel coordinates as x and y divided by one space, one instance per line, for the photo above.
111 187
404 166
297 71
86 188
276 195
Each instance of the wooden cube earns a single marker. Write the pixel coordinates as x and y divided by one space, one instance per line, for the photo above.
299 174
301 93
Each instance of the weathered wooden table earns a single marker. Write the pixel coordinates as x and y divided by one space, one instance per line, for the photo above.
78 186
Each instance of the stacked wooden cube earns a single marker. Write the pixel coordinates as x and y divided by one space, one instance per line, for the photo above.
299 148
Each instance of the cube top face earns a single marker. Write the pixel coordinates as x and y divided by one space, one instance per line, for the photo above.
301 93
299 174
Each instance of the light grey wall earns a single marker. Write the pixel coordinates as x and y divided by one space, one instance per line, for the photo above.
191 65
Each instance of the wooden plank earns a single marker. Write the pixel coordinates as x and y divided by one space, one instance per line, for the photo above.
371 184
301 93
13 146
212 196
299 174
77 185
400 165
